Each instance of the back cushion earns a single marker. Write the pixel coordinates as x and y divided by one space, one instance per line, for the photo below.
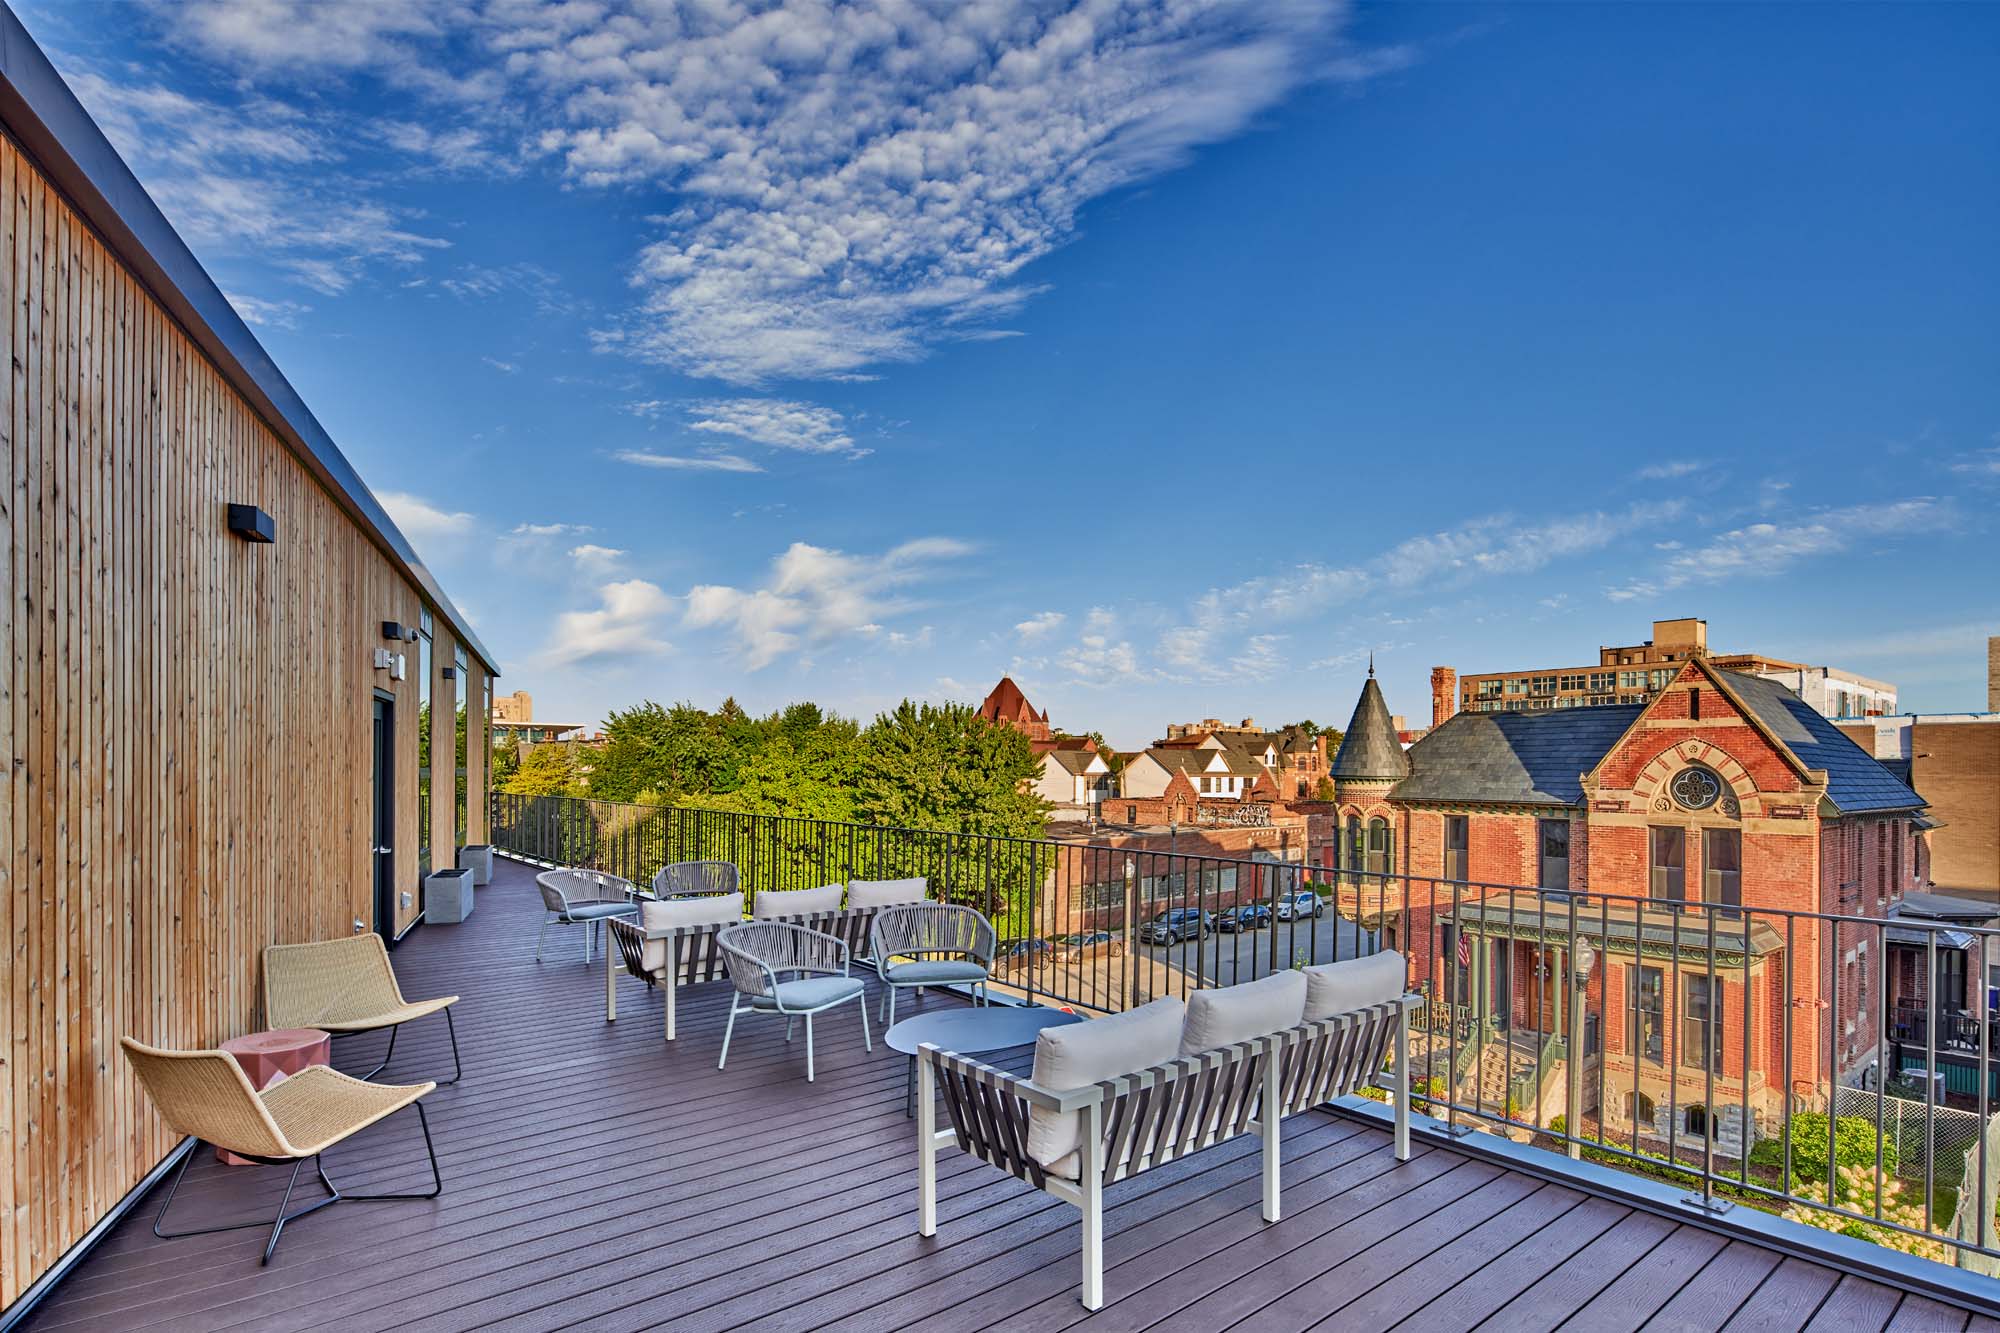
1341 988
1085 1053
884 892
723 909
796 902
1238 1013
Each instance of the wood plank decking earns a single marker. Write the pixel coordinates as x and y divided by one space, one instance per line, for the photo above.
596 1177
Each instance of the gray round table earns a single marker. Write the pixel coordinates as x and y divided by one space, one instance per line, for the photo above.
970 1032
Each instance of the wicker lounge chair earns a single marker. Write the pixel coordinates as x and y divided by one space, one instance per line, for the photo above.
696 879
346 987
205 1095
583 898
930 944
789 970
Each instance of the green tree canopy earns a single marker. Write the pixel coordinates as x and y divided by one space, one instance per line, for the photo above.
546 770
943 766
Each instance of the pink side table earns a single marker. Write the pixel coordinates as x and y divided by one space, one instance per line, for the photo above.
267 1057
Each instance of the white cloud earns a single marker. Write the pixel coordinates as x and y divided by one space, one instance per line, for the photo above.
1681 467
1037 626
420 519
1098 659
594 561
550 529
815 594
504 367
697 463
1982 463
626 624
773 422
267 314
1765 549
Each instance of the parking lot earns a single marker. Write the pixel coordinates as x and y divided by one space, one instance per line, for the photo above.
1226 958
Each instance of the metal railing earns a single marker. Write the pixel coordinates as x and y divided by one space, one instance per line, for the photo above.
1746 1053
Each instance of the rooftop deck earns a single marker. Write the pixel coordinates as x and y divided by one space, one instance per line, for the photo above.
596 1176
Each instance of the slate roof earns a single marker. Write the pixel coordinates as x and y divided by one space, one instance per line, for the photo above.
1369 748
1857 781
1075 762
1513 758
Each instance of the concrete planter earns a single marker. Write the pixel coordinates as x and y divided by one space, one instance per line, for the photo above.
448 896
478 858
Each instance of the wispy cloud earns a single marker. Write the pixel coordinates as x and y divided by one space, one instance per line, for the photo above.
774 422
268 314
1761 550
626 624
1036 626
687 463
504 367
419 519
594 561
815 594
1671 471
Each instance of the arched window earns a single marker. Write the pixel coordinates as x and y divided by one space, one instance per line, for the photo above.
1639 1108
1380 846
1352 859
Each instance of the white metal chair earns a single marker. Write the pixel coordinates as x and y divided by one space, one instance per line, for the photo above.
930 944
583 898
778 968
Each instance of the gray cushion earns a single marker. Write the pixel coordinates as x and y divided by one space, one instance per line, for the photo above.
926 972
884 892
597 911
1341 988
811 993
796 902
1230 1014
721 909
1081 1054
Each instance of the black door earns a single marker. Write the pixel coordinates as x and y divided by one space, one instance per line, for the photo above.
384 832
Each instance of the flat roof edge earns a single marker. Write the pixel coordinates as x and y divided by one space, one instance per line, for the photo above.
43 114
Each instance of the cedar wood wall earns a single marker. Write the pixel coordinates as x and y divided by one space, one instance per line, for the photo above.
187 739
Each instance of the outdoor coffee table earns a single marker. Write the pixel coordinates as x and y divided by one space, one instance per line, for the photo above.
970 1032
267 1057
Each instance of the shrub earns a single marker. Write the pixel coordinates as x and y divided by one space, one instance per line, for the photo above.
1853 1146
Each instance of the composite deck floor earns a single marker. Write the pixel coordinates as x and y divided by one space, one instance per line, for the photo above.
596 1177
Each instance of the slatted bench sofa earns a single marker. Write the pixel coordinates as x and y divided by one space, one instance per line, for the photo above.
672 944
1119 1095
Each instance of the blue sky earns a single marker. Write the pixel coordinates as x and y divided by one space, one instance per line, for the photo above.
1172 358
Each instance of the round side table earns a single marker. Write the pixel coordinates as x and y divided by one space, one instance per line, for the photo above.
267 1057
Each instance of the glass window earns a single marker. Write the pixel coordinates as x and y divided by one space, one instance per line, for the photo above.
1701 1027
1722 866
424 746
1380 839
1669 863
1555 854
461 695
1457 840
1646 994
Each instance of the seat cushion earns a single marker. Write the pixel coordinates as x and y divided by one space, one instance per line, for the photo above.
1229 1014
721 909
811 993
796 902
885 892
1080 1054
928 972
1341 988
598 911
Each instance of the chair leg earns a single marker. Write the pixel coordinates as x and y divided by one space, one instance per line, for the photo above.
790 1023
540 938
890 1021
457 1070
588 930
809 1048
726 1031
867 1042
387 1055
430 1150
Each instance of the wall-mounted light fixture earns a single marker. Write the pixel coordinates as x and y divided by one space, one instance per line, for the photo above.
398 632
252 524
450 673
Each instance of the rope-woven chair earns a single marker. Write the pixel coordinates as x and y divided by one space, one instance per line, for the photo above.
930 944
777 968
583 898
346 987
696 879
205 1095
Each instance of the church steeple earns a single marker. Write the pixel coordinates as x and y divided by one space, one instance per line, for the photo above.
1369 750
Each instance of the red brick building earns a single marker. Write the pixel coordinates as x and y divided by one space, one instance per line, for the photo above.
1006 706
1723 790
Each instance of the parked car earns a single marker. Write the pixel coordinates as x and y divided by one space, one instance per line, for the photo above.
1247 917
1301 902
1176 924
1085 939
1021 951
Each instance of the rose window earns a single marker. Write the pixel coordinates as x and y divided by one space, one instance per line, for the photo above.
1695 788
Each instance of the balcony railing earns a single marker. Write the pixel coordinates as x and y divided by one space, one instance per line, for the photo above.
1712 1042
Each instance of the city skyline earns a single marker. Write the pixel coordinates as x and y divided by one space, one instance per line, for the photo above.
1467 337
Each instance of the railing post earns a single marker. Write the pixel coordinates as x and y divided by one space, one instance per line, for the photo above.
1131 987
1576 983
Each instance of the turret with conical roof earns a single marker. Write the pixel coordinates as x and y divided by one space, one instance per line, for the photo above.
1369 750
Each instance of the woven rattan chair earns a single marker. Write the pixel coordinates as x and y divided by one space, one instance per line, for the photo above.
696 879
205 1095
583 898
346 987
778 968
930 944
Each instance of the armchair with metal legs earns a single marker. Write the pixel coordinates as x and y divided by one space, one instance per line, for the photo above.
930 944
205 1095
789 970
584 898
346 987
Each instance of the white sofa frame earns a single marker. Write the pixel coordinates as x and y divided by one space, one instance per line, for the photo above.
1160 1114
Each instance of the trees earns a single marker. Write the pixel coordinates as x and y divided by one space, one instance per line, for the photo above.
677 751
942 766
546 770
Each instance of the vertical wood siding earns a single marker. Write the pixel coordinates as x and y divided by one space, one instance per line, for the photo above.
187 742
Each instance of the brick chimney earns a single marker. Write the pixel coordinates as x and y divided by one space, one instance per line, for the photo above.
1444 694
